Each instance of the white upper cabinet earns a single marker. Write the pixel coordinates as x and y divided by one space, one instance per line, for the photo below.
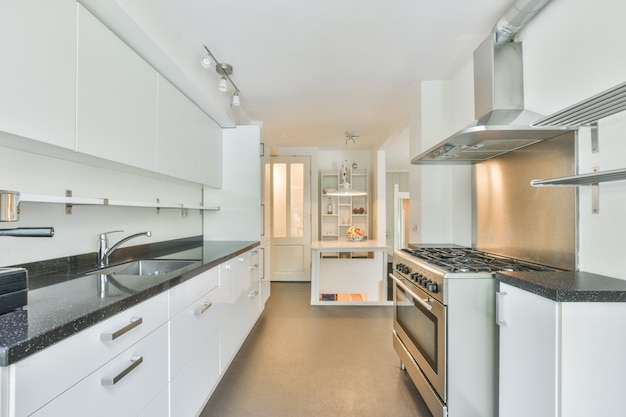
116 98
189 143
38 83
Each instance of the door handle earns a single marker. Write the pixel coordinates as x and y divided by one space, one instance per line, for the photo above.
499 299
134 322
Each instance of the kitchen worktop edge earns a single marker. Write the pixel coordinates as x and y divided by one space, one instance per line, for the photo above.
71 303
567 286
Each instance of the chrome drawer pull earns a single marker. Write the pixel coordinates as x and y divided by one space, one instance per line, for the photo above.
203 308
134 322
255 266
135 361
253 294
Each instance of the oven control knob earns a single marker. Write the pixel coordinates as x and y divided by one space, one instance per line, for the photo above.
433 287
402 268
423 281
415 277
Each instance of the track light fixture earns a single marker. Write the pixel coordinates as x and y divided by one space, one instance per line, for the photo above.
223 85
225 70
205 61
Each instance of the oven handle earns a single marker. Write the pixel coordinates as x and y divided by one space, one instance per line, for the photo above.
423 302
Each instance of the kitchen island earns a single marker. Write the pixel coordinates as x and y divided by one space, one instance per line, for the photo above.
348 273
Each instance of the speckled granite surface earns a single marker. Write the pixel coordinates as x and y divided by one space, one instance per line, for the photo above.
568 286
63 303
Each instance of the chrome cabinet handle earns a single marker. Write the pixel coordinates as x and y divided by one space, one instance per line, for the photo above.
200 310
135 361
253 294
423 302
227 267
134 322
499 300
255 266
254 252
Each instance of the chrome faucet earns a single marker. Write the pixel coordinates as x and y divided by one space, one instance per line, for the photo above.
103 245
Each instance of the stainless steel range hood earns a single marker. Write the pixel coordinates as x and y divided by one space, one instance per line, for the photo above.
502 124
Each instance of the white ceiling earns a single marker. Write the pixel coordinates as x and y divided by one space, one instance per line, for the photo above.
311 70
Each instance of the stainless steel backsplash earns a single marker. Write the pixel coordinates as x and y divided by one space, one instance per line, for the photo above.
536 224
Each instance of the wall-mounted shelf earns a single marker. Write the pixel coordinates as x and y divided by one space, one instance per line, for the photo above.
593 178
587 113
70 201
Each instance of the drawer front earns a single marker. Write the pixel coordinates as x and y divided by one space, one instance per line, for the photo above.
191 329
181 296
124 386
194 384
41 377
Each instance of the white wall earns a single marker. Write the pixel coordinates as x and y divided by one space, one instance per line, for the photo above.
77 233
573 50
441 195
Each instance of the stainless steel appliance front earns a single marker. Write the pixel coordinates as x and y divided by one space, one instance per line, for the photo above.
420 322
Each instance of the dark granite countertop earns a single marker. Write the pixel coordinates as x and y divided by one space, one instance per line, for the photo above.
568 286
64 297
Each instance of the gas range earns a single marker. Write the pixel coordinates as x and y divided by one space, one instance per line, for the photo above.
428 266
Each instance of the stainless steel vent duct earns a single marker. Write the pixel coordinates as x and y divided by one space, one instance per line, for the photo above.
502 124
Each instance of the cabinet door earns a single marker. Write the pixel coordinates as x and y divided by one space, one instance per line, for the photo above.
109 391
194 355
189 144
116 98
38 82
264 278
528 354
183 295
44 375
191 329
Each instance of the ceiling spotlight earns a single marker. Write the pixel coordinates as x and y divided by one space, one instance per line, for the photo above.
225 71
223 85
206 61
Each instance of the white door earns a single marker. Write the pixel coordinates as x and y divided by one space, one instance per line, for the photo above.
401 202
291 219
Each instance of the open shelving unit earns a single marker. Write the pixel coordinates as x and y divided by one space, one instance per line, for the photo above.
347 211
587 113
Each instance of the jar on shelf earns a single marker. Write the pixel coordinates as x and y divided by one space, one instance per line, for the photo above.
329 207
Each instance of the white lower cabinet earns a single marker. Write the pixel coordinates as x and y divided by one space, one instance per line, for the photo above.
528 353
194 351
122 387
39 378
162 357
560 359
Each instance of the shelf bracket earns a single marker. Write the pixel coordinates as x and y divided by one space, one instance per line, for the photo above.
595 145
68 206
595 194
595 198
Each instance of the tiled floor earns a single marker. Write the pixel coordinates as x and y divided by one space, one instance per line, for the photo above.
316 361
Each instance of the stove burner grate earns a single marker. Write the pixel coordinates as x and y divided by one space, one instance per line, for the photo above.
471 260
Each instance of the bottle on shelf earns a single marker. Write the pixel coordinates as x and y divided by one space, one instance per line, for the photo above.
329 207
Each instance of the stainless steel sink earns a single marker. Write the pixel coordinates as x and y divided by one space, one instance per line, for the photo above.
144 267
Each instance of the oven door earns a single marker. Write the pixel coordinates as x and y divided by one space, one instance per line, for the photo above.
420 323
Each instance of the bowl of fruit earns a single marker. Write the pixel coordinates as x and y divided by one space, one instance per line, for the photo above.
355 234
